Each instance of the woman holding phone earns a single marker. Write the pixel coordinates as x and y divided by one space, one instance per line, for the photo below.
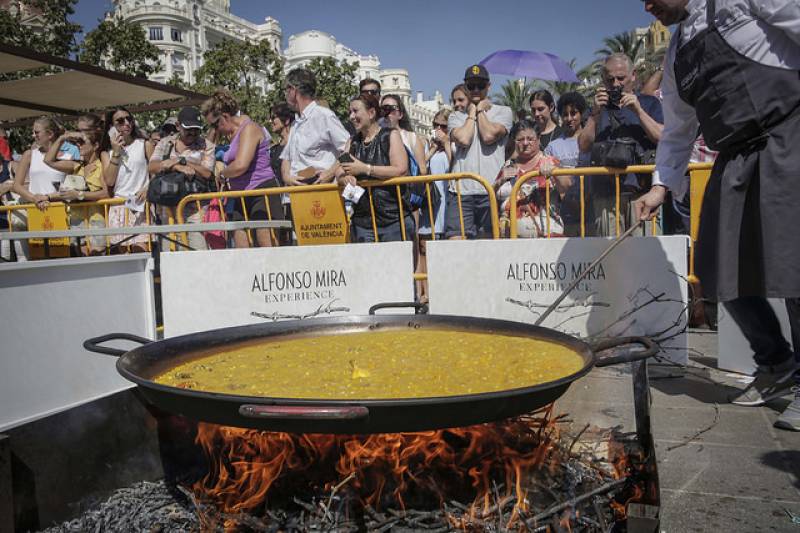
374 153
124 156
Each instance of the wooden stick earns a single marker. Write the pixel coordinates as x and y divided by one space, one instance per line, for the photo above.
586 271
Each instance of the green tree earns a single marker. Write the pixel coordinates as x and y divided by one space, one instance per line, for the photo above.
515 94
237 65
557 88
124 45
623 43
336 83
49 31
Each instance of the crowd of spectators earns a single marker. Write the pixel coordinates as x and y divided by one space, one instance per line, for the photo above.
219 147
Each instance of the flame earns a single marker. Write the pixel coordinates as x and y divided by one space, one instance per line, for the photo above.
626 464
486 464
246 465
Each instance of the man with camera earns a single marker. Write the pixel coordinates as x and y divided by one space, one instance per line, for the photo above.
623 129
479 134
732 71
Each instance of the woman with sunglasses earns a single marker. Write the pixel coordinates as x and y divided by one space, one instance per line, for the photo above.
247 165
438 158
188 152
375 152
87 166
124 156
396 117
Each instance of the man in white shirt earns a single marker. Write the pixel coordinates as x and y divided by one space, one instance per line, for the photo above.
480 135
732 70
317 136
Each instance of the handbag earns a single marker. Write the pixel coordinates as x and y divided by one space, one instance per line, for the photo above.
615 152
168 188
215 239
73 182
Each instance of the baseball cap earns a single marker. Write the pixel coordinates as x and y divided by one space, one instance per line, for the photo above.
478 72
189 117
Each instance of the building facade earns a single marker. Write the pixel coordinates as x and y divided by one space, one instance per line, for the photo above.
184 29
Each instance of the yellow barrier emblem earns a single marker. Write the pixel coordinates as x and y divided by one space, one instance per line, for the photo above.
53 218
319 218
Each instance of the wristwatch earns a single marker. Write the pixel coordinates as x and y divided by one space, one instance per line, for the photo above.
182 161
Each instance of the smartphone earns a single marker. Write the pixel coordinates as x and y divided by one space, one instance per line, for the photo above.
345 158
112 132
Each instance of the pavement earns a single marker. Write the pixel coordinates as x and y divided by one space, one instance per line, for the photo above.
741 474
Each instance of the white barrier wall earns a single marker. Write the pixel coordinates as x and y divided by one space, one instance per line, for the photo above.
639 289
48 309
221 288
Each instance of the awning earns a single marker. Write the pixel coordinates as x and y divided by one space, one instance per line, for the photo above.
77 89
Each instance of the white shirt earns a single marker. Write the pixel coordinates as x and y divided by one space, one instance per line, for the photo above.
132 175
41 176
765 31
315 140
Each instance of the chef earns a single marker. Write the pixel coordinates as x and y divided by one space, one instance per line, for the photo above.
733 72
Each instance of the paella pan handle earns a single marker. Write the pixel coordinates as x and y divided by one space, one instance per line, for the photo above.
651 349
304 412
93 345
421 309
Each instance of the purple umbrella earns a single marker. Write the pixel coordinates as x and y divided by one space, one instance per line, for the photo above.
539 65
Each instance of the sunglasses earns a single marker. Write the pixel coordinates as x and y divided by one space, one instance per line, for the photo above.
388 108
440 126
373 92
479 86
77 141
123 120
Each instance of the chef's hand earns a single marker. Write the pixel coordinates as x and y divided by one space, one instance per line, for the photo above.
647 205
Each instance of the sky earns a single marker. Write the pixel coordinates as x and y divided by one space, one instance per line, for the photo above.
436 40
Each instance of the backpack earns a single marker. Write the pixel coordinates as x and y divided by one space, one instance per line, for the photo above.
416 194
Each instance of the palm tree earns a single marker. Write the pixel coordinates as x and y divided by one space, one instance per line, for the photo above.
515 94
622 43
586 77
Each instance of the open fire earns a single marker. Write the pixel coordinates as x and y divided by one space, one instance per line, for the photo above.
531 473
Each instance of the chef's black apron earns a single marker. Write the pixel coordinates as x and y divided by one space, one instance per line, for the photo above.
748 243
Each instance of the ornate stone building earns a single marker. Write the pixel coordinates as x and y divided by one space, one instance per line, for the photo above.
184 29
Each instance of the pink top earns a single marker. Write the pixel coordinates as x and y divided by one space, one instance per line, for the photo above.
259 171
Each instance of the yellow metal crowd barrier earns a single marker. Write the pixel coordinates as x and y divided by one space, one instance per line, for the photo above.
699 173
82 211
240 196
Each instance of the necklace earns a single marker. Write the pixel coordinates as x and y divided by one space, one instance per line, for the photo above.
374 128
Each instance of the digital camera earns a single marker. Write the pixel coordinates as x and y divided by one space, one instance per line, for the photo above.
614 97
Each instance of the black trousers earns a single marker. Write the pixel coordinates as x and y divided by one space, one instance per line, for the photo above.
760 326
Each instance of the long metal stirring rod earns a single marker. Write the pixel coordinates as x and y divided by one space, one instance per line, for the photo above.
577 280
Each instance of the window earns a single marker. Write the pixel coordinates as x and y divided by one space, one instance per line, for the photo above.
156 34
176 35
